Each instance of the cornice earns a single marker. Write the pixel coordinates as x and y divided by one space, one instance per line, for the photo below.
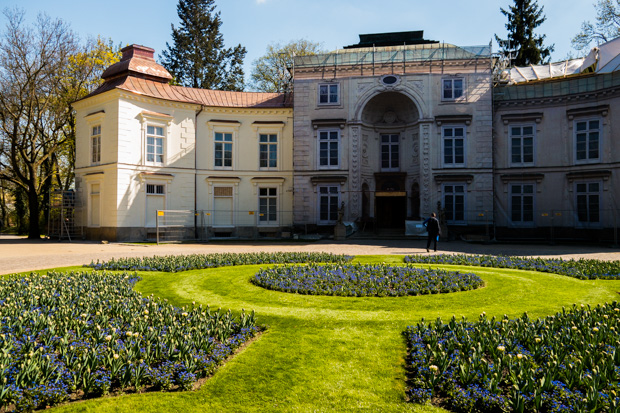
562 99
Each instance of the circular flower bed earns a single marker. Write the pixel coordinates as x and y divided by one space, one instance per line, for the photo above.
357 280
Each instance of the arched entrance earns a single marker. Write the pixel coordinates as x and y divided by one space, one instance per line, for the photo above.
390 126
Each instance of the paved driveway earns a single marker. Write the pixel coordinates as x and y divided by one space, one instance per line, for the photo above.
20 254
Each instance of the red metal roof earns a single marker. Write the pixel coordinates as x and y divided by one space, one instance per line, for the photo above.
138 73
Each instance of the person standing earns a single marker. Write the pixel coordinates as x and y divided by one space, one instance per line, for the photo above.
433 229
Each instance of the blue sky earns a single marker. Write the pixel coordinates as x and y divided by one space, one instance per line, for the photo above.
334 23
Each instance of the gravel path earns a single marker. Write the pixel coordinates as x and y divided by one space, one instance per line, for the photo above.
19 254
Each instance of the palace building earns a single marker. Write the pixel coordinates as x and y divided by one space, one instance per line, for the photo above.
380 133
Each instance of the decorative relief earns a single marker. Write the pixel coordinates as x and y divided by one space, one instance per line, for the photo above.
365 150
354 185
416 84
426 169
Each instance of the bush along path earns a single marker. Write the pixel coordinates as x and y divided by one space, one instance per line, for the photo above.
331 353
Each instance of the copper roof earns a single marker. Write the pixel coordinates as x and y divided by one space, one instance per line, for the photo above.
138 73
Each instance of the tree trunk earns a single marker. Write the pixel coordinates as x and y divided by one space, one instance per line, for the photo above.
34 229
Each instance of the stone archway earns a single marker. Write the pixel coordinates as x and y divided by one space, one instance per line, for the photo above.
390 131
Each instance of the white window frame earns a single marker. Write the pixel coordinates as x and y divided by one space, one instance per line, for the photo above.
330 194
95 144
329 132
453 139
328 87
587 132
522 195
158 120
269 145
521 137
266 221
451 81
156 137
588 193
223 142
389 145
452 213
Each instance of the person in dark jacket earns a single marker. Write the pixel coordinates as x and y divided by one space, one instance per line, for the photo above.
433 229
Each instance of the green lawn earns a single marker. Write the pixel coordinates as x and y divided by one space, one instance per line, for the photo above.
324 354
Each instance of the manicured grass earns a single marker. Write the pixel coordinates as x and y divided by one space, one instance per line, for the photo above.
328 354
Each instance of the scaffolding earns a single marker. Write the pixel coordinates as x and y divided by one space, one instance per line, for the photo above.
61 223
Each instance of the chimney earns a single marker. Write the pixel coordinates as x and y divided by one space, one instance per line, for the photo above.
136 50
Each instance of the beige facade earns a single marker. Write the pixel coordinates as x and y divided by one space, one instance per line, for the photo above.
378 135
389 133
557 157
217 163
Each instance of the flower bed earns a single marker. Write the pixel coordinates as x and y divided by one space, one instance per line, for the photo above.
176 263
581 268
359 280
569 362
91 333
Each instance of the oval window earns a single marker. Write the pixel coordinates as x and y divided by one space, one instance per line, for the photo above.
390 80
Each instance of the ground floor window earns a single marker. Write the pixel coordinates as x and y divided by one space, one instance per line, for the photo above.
522 203
454 202
588 202
267 205
329 198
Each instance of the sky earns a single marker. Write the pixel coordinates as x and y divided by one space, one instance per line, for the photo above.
334 23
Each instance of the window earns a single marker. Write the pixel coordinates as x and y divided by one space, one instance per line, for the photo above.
588 202
454 202
155 144
267 205
153 189
223 150
329 197
329 143
95 138
453 145
329 94
268 150
389 152
452 89
521 145
587 139
522 203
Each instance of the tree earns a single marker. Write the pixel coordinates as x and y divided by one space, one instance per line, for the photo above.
198 57
522 45
271 72
606 27
39 77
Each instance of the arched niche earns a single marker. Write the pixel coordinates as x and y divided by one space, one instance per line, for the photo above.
390 109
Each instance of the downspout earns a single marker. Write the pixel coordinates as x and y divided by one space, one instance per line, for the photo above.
493 139
196 172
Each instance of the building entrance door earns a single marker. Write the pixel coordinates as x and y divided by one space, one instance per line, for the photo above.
391 211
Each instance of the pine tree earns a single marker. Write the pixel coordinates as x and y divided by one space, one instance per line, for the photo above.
525 46
198 57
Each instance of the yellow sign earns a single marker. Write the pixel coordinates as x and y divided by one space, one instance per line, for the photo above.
480 215
544 214
208 213
160 213
558 214
251 212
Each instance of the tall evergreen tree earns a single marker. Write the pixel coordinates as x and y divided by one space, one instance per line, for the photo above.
523 45
197 57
